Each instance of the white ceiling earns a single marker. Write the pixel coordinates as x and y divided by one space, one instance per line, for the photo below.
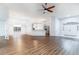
31 9
35 9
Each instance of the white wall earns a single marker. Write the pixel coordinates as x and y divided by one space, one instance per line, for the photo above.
13 15
2 28
15 18
57 27
18 19
70 30
3 13
64 12
3 17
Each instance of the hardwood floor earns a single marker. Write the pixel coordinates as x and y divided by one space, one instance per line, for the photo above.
30 45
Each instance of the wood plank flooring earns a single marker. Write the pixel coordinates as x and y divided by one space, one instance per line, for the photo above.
30 45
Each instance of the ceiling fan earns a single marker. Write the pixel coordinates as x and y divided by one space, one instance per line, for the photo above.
46 8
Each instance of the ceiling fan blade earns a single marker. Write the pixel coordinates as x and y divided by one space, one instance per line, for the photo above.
49 10
50 7
43 6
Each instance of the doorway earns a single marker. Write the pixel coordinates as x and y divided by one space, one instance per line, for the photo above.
17 32
47 31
